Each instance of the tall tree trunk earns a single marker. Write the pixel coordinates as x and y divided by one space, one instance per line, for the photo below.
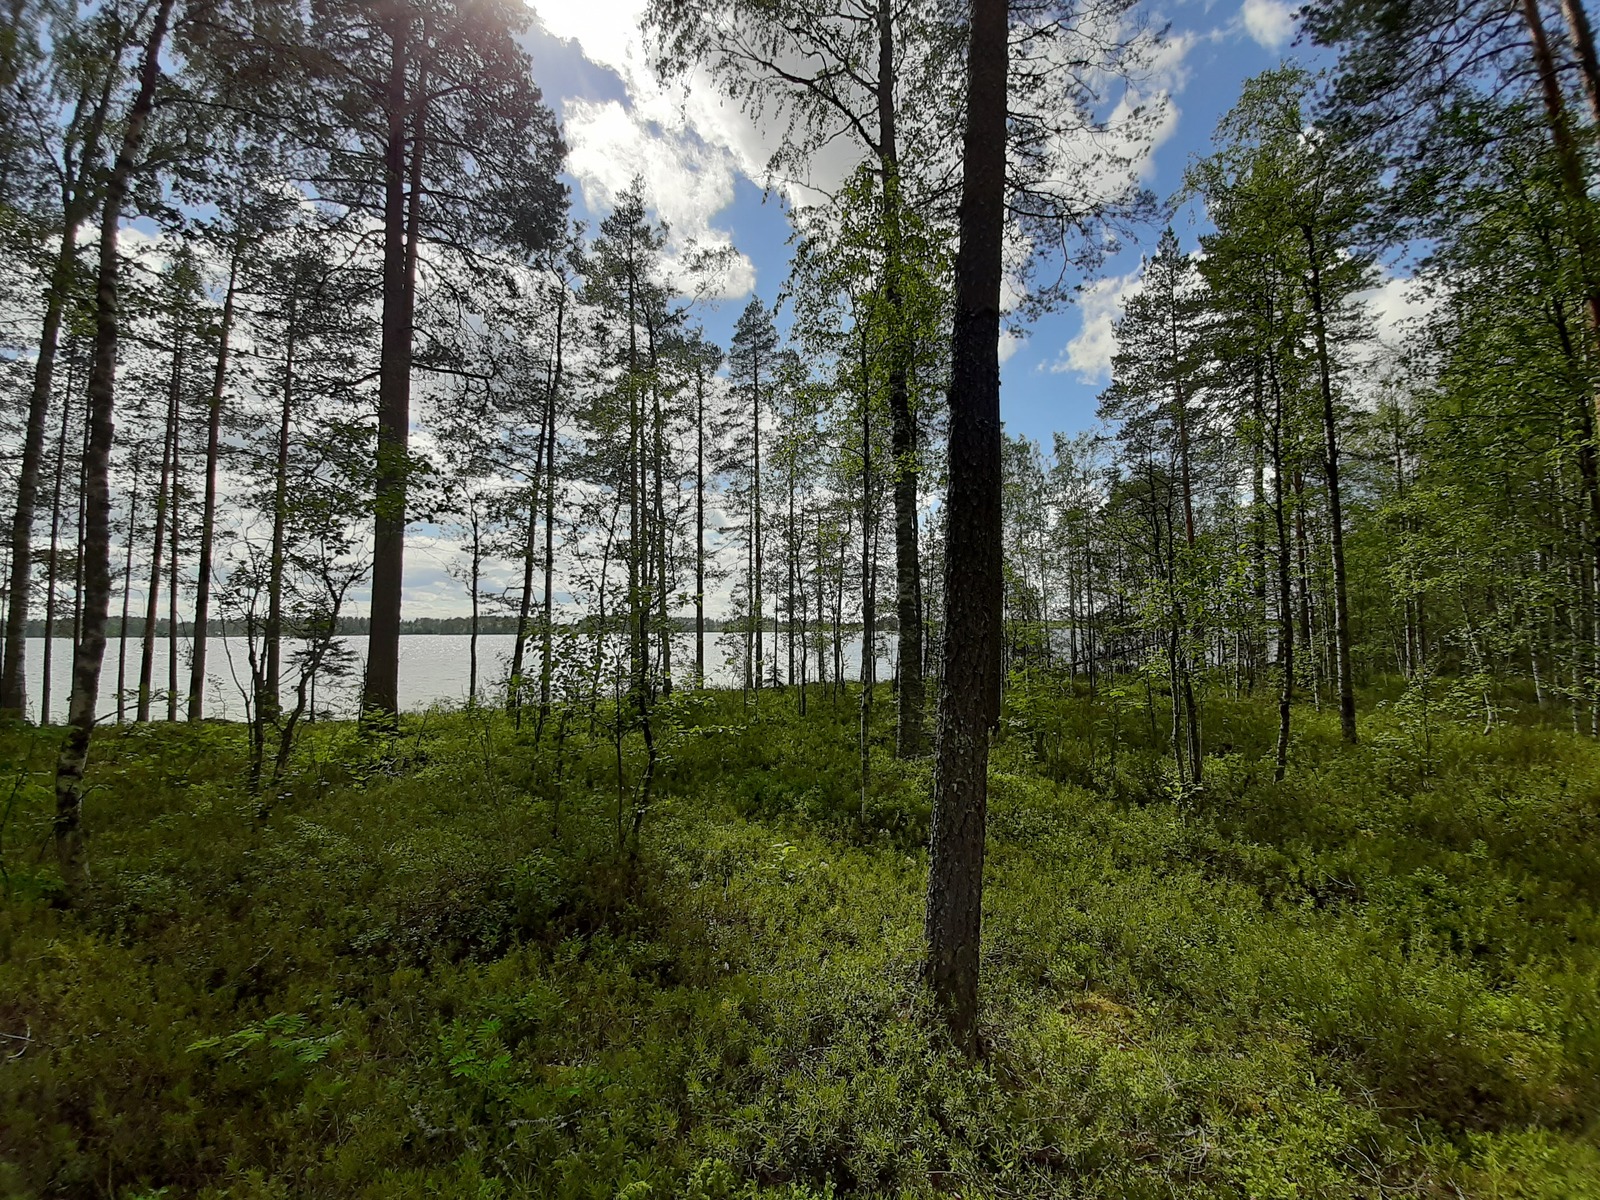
910 737
1569 160
1258 529
380 695
757 612
270 702
969 679
838 618
638 606
152 600
83 517
76 199
13 675
525 604
635 623
546 624
1330 435
805 612
472 646
1092 663
1285 591
127 588
699 526
73 757
658 470
793 548
1583 50
52 572
749 628
208 511
822 614
1192 632
172 573
1303 585
869 591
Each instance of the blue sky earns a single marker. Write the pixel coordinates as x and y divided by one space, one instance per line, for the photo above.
701 159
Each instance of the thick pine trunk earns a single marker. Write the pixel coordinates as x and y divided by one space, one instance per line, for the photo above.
74 754
381 693
1583 48
969 682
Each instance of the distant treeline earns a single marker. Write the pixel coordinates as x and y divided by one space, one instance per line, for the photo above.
417 625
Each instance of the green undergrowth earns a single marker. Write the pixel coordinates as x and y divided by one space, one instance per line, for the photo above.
426 967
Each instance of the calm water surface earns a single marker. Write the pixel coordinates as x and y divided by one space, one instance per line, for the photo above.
434 668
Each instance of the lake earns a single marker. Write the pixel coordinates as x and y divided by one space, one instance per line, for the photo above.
434 668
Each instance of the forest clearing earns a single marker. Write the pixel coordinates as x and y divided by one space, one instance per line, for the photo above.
804 777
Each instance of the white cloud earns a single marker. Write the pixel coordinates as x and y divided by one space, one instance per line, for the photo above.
1010 343
686 142
1089 354
1270 22
1395 304
688 182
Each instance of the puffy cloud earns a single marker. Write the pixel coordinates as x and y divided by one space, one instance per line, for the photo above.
608 32
1089 354
688 181
1395 304
1269 22
686 142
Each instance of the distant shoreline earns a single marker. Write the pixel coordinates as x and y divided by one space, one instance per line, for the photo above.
429 627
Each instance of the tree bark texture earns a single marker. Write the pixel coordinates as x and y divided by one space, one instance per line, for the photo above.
381 693
969 685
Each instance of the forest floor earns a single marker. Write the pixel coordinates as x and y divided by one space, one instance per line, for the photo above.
413 973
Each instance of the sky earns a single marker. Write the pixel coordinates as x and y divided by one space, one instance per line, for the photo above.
703 159
703 162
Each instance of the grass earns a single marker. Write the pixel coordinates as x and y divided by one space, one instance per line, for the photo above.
414 973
